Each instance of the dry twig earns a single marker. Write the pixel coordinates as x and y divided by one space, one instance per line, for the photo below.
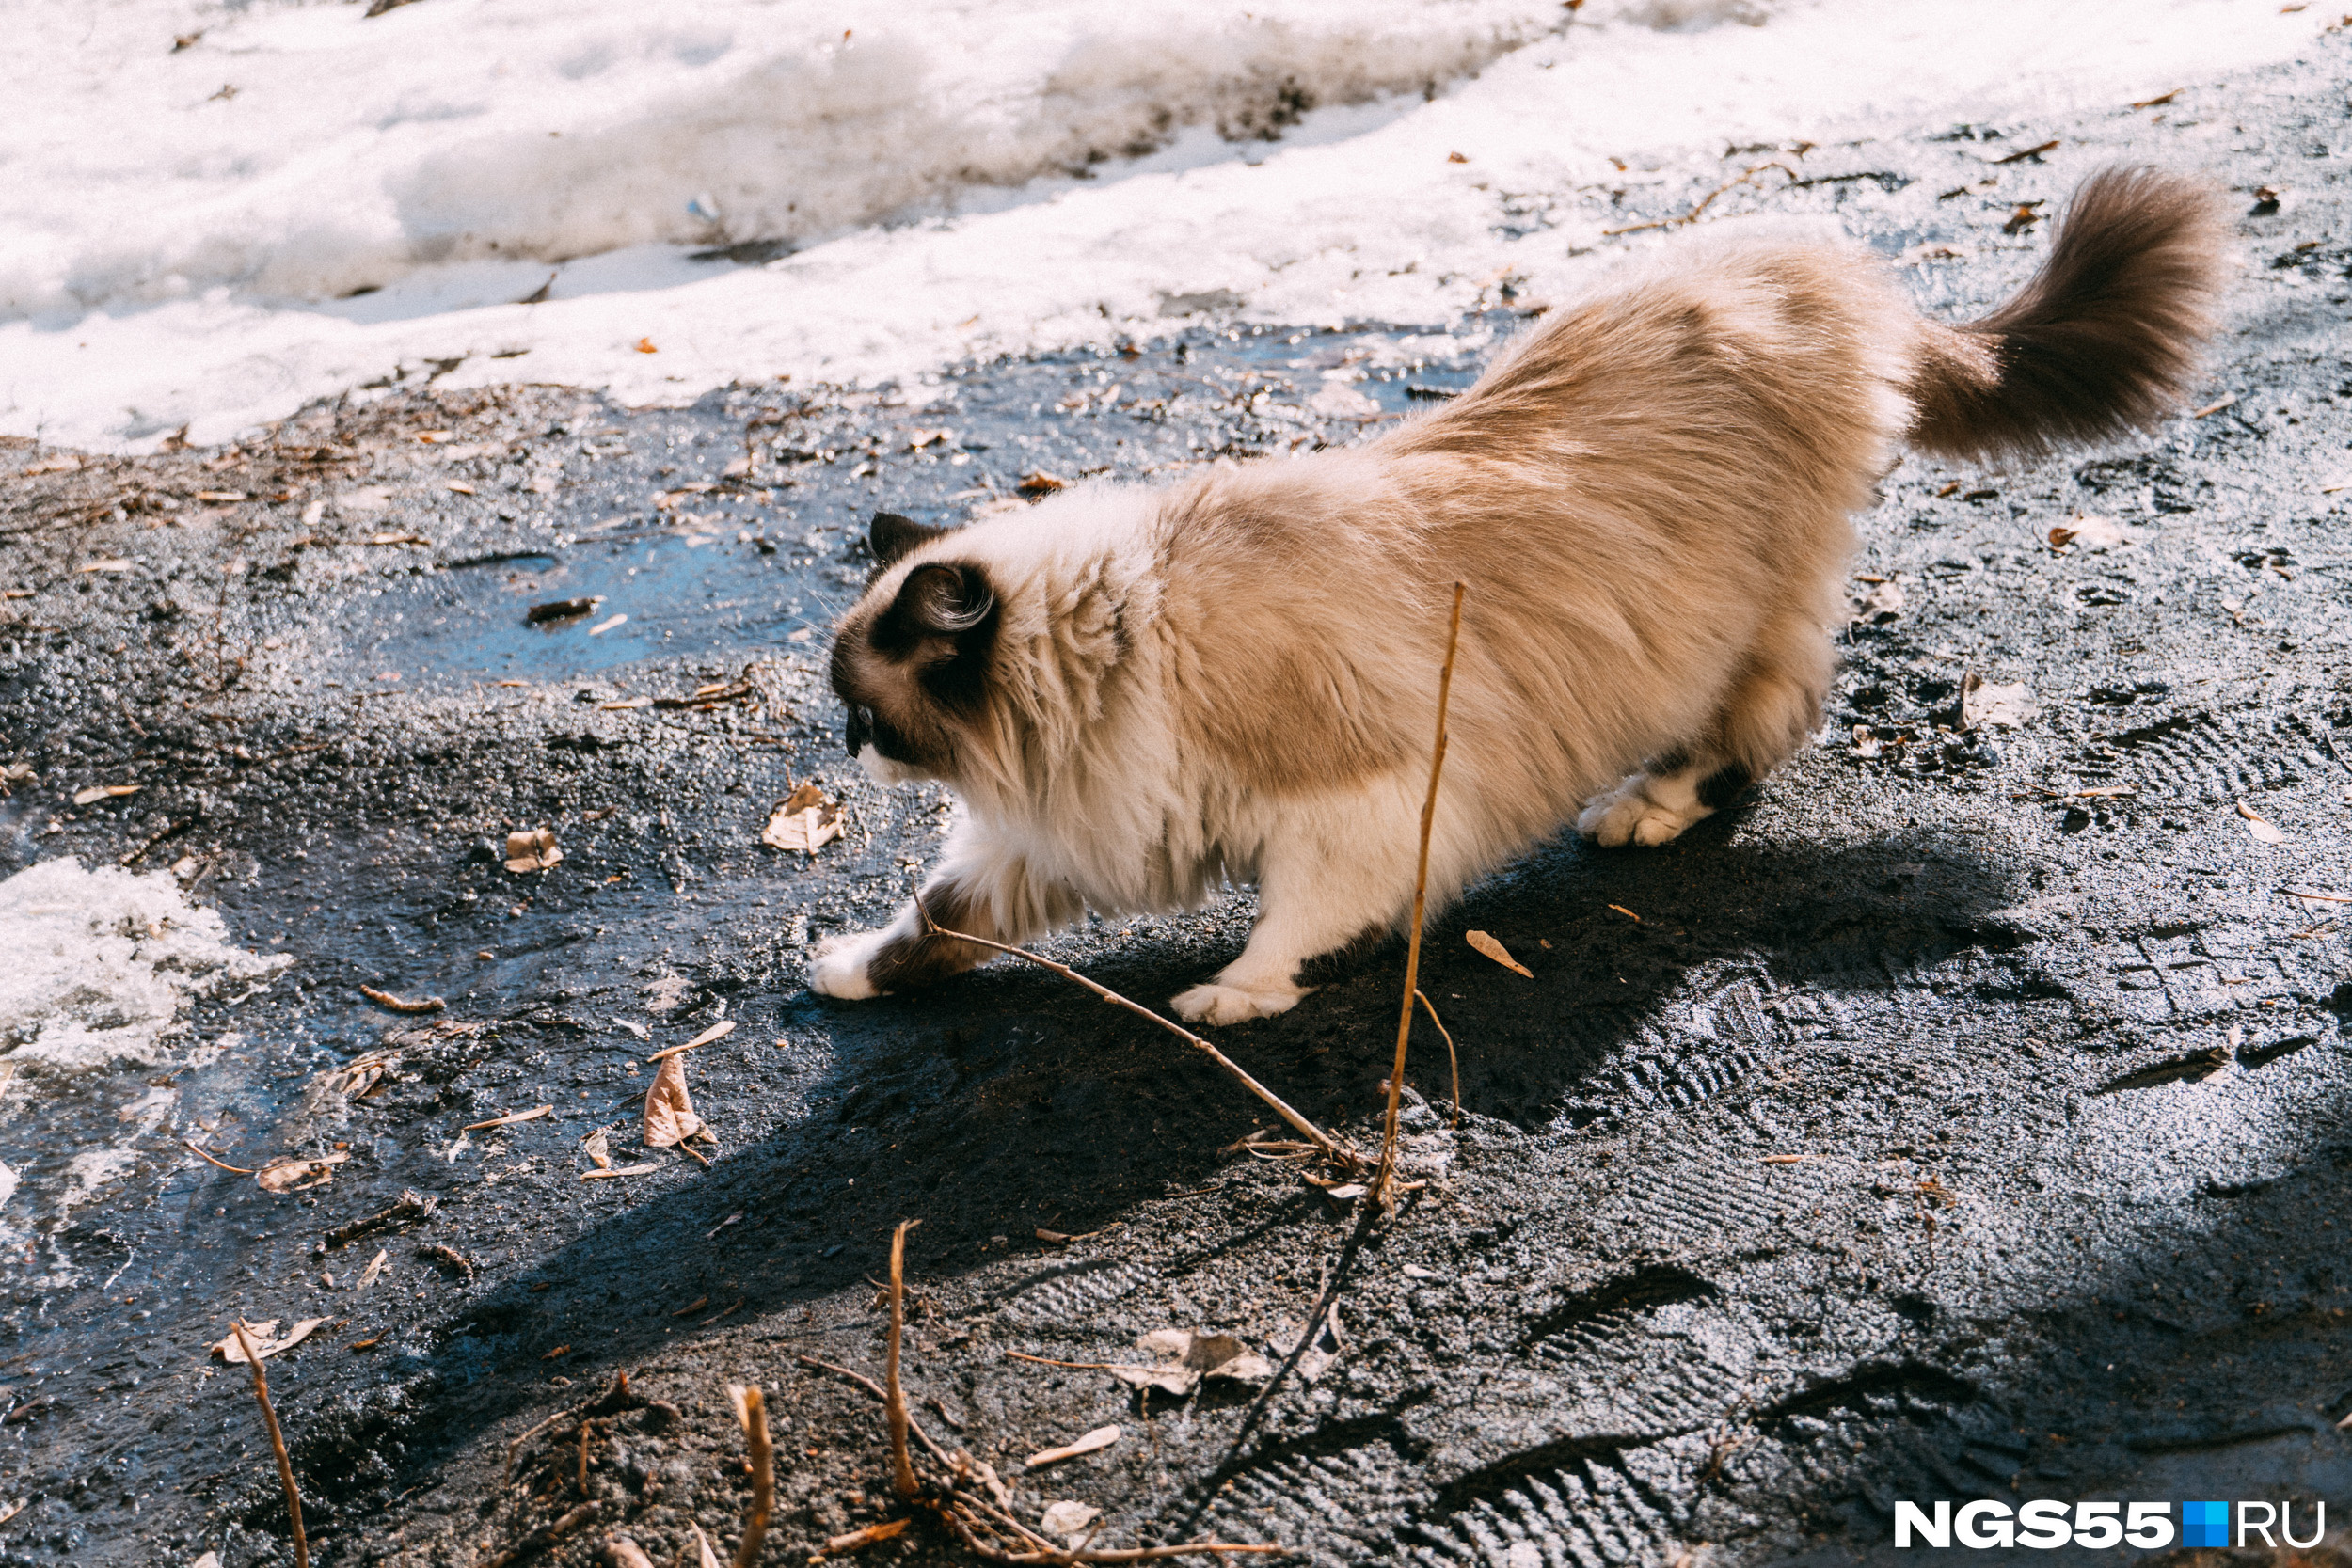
753 1408
1383 1183
1453 1060
278 1444
1332 1148
1705 201
894 1400
988 1531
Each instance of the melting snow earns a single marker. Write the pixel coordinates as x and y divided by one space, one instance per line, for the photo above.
184 233
99 964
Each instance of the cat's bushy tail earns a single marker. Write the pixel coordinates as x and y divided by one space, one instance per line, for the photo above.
2104 340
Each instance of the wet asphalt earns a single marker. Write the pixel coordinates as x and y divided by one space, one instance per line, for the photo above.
1962 1116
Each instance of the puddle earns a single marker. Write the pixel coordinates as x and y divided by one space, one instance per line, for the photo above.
733 573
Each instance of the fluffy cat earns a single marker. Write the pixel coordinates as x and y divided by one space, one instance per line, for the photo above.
1141 694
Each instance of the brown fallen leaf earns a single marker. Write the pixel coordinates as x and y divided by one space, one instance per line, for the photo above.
707 1557
870 1535
2262 830
374 1272
533 849
363 1076
392 1003
288 1174
265 1342
102 792
621 1552
670 1116
2020 156
1068 1519
1212 1355
1882 604
618 1171
1482 943
716 1032
807 819
2089 532
598 1151
511 1117
1040 485
1982 703
1093 1442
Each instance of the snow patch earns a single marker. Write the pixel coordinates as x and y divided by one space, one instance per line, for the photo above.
100 964
945 182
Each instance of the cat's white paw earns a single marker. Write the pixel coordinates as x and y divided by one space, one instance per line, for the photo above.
1632 813
1214 1004
840 968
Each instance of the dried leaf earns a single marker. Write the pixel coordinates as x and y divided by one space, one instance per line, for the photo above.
1093 1442
621 1552
511 1117
2089 532
1176 1381
716 1032
363 1076
1068 1519
1041 484
374 1272
1484 943
618 1171
1882 604
702 1544
2262 830
265 1344
533 849
287 1174
1981 702
597 1148
102 792
670 1116
807 819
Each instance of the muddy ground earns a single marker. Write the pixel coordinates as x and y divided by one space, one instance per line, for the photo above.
1962 1116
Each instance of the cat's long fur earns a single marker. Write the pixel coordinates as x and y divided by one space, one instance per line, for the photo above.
1141 694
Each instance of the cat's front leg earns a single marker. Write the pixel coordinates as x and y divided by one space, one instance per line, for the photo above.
979 892
1319 896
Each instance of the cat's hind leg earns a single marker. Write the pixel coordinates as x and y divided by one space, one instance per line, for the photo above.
1772 706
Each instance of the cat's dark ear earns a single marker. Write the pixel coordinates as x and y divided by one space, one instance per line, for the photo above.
892 535
940 602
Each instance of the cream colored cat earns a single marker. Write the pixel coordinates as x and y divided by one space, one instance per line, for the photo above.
1143 694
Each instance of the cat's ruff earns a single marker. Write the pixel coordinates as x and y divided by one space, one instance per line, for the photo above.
1143 694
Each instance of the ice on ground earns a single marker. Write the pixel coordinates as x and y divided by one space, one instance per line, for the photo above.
182 232
100 964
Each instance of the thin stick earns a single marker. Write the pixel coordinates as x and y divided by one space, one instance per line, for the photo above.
895 1397
276 1443
585 1427
1452 1059
754 1409
238 1170
1331 1147
1384 1184
1692 216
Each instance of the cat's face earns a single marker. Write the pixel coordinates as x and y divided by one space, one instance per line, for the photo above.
911 658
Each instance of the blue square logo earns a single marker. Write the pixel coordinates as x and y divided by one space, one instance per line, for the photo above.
2204 1524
